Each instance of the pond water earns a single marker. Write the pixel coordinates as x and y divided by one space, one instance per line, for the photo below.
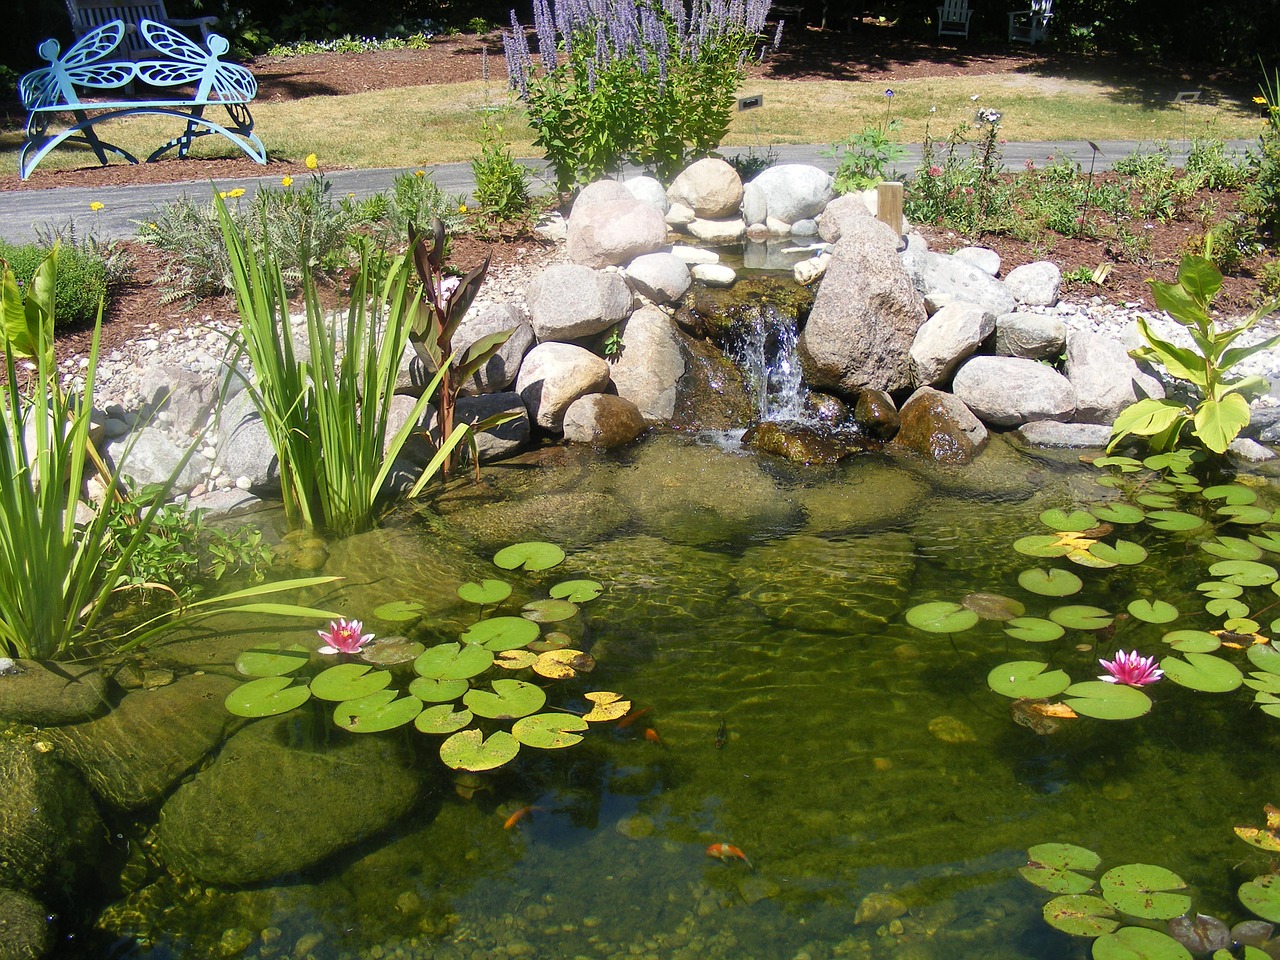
880 790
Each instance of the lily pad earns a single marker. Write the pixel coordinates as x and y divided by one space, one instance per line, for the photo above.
1268 703
605 706
993 606
399 611
485 592
436 690
501 633
1264 838
349 681
266 697
1027 678
1107 701
1270 542
1051 582
1041 545
1246 514
1232 548
1033 629
549 611
1138 943
1246 573
532 555
453 661
376 712
1077 521
1231 494
553 640
1227 607
1174 520
579 591
1118 513
470 750
1262 896
1220 589
1053 867
1157 501
941 616
1141 890
1123 464
1192 641
1178 461
1264 656
1153 611
1081 617
390 651
509 700
1080 915
515 659
1124 552
1204 672
549 731
442 718
272 661
563 664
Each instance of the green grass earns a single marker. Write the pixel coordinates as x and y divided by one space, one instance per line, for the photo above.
418 126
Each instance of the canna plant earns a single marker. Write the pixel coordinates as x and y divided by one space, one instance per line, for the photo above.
1221 404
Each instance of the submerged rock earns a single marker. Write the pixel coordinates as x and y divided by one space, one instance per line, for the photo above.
24 927
796 442
879 907
872 495
49 694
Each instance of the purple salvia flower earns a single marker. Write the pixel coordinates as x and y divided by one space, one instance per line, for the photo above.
591 76
736 14
545 28
777 36
601 58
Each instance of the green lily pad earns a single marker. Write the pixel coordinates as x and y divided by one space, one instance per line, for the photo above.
376 712
1231 494
941 616
1114 483
1077 521
266 697
1141 890
399 611
1118 513
1033 629
1041 545
1080 915
1178 461
390 651
509 700
1246 573
1220 589
1232 548
1262 896
1264 656
1174 520
1053 867
1051 582
549 731
501 633
1204 672
469 750
532 555
1153 611
549 611
1157 501
1243 625
1138 943
272 661
442 718
1163 486
1027 678
1123 464
1268 703
1227 607
1081 617
349 681
993 606
1124 552
1270 542
1263 682
1246 514
1107 701
453 661
435 690
1248 953
485 592
1192 641
579 591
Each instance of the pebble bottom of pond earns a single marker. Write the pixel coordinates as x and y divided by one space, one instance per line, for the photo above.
879 789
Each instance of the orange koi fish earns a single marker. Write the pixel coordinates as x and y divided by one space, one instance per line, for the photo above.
633 716
727 852
519 815
652 736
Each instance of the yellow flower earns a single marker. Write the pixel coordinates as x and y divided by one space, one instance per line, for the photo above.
419 173
1259 100
95 206
286 181
152 225
237 192
462 208
312 162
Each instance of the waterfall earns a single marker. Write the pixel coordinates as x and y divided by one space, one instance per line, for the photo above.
763 345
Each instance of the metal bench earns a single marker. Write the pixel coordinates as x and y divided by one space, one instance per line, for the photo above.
87 15
89 66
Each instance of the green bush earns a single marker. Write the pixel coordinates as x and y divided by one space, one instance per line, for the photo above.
502 184
81 280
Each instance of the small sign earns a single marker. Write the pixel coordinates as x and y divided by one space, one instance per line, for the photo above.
750 103
1187 96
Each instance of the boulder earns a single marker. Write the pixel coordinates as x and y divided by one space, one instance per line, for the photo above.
182 398
964 281
865 315
662 277
650 365
152 455
692 256
568 300
794 191
650 191
795 442
717 232
603 420
875 415
985 259
47 695
496 443
947 338
754 205
614 231
940 428
714 274
484 319
600 191
1055 433
1010 391
710 187
679 215
1032 336
1105 378
244 446
1035 284
24 926
556 374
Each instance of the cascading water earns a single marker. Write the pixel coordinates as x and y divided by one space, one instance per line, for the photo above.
763 345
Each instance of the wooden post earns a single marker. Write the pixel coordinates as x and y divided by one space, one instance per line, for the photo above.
889 204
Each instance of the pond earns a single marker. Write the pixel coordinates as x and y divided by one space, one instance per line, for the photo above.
880 794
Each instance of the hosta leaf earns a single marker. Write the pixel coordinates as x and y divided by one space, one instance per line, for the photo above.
1053 867
1033 629
1080 915
1027 678
469 750
1107 701
1204 672
941 616
1141 890
1050 583
266 697
349 681
1153 611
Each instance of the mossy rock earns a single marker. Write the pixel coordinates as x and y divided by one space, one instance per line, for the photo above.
714 311
871 494
797 443
51 694
24 926
712 394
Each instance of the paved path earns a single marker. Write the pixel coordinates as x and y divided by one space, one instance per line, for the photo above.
23 211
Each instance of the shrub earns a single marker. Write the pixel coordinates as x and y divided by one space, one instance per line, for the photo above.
82 279
416 198
502 184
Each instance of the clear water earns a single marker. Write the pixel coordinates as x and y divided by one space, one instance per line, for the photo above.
862 756
763 345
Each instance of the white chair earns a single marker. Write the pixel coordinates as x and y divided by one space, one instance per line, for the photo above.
1030 26
953 18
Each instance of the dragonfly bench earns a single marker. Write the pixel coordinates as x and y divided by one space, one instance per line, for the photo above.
89 66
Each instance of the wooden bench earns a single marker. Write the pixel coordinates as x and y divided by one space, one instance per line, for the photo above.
88 15
91 65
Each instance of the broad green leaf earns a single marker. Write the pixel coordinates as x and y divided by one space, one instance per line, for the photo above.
442 718
266 697
390 651
1265 656
1153 611
1227 607
549 611
1050 583
1174 520
1178 461
1219 590
549 731
1123 464
435 690
1241 625
1248 953
941 616
1230 494
1269 542
1080 915
272 661
1157 501
509 700
501 633
349 681
532 555
1147 417
1141 890
1081 617
376 712
1138 943
1218 422
993 606
469 750
1204 672
1118 513
399 611
453 661
1123 552
1231 548
1077 521
578 591
1268 703
1033 629
1027 678
1053 867
1192 641
485 592
1246 573
1262 896
1107 701
1264 682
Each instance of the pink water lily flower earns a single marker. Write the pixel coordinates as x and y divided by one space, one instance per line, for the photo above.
1131 669
344 636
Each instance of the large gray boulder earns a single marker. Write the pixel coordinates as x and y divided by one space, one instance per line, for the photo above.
962 280
1106 379
568 301
554 375
153 455
244 446
1054 433
662 277
710 187
794 191
839 211
717 232
1009 391
504 440
601 191
182 399
865 316
650 365
950 336
485 319
614 231
649 190
1035 284
1032 336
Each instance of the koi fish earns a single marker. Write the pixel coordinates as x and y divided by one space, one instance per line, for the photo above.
652 736
727 852
722 734
519 815
633 716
